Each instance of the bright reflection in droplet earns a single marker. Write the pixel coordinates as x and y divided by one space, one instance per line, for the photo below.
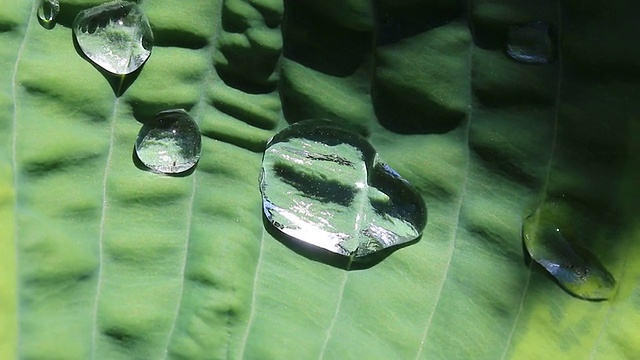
325 186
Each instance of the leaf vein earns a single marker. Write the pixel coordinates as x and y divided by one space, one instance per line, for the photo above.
343 285
518 313
545 185
208 75
245 336
103 218
607 316
463 191
14 163
189 221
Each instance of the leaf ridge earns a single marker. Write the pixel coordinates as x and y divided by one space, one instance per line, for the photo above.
14 163
103 217
184 265
200 105
545 184
451 251
607 316
345 278
463 191
518 313
250 320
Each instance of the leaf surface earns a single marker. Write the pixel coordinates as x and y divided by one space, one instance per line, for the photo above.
104 260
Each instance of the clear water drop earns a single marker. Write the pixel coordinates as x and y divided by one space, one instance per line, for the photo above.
326 186
552 243
531 43
116 36
170 143
47 13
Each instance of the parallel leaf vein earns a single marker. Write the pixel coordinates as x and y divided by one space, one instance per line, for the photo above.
254 296
611 305
451 250
463 191
103 219
183 269
200 106
545 184
14 159
343 285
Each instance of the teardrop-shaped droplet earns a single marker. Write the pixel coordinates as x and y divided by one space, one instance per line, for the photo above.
552 243
170 143
47 12
116 36
327 187
531 43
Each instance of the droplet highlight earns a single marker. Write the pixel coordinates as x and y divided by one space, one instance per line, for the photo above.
553 244
170 143
326 186
531 43
116 36
48 10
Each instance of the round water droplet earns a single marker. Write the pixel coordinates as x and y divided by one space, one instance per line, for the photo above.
326 186
551 242
531 43
47 12
170 143
116 36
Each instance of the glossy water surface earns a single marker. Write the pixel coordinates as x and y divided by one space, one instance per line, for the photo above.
116 36
170 143
327 187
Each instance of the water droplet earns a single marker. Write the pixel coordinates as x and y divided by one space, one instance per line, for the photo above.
552 243
170 143
116 36
47 12
531 43
327 187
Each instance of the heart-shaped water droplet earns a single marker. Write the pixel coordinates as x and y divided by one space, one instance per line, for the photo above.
326 186
170 143
116 36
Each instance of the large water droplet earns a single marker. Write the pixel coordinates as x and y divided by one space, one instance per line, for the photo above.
552 243
326 186
170 143
47 12
116 36
531 43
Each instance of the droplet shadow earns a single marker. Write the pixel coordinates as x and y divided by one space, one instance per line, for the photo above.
141 166
119 83
327 257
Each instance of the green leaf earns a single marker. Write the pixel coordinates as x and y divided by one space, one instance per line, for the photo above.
104 260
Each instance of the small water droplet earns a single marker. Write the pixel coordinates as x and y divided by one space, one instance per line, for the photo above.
531 43
170 143
47 13
552 243
326 186
116 36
